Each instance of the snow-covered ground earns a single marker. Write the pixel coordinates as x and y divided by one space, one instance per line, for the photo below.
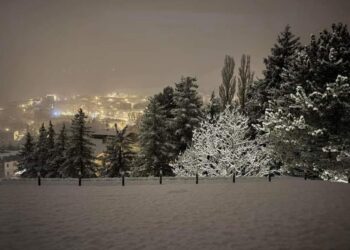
288 213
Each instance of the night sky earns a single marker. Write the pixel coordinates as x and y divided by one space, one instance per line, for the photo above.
96 47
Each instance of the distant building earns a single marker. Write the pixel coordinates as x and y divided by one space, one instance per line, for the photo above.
8 163
10 168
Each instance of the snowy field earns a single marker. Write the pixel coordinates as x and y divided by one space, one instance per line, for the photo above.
288 213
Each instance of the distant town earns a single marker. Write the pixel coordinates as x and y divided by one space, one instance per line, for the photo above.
16 118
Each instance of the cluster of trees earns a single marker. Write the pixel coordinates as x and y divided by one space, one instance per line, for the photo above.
296 116
167 126
62 155
298 113
304 100
70 153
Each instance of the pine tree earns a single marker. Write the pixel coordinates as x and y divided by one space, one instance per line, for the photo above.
119 153
27 162
310 130
50 137
50 147
272 87
278 61
79 154
188 112
322 60
41 151
156 150
228 87
167 104
59 151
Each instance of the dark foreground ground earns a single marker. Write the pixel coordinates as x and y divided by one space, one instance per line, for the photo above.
288 213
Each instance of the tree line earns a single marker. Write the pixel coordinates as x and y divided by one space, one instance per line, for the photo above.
296 117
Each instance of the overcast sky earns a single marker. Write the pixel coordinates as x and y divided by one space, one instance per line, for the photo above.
88 47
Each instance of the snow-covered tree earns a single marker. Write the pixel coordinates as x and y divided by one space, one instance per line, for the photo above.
79 154
314 130
119 153
321 61
27 162
222 147
187 112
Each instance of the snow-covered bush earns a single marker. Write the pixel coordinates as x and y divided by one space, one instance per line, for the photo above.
221 147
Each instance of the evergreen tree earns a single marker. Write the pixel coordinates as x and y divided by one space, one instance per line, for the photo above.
272 87
228 87
313 133
50 147
119 153
41 151
156 150
166 100
311 129
167 104
281 55
58 157
26 158
188 111
50 137
79 153
321 61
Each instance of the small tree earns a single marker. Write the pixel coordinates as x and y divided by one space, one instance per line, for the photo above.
26 157
41 152
119 153
50 147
